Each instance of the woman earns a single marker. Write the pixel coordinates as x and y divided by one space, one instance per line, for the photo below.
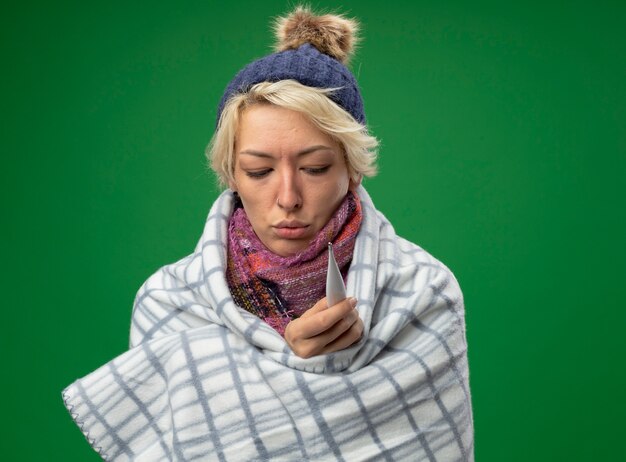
235 354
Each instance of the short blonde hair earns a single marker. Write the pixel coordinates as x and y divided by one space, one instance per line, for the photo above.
358 145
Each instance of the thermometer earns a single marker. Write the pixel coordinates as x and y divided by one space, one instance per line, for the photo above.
335 288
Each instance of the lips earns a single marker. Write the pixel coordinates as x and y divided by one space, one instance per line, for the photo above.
291 229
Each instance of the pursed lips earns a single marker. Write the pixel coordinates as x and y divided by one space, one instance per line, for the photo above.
290 229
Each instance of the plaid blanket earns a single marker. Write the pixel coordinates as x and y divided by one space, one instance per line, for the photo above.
206 380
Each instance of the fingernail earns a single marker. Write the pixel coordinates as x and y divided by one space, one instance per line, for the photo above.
352 301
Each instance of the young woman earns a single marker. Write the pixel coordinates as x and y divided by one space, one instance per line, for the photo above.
235 353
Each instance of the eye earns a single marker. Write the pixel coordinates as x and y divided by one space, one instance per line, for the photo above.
258 173
316 170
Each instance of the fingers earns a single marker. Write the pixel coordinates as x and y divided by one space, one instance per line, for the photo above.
347 339
324 330
339 328
319 306
329 318
322 319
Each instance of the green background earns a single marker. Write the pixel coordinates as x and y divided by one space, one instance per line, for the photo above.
503 154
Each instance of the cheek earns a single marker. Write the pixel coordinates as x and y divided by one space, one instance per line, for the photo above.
329 197
256 202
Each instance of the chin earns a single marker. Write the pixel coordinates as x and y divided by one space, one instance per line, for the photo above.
289 249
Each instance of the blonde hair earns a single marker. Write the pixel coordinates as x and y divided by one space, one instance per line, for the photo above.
315 103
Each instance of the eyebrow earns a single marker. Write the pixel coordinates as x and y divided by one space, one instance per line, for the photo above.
304 152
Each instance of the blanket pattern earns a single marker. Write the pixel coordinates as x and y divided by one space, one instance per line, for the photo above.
206 380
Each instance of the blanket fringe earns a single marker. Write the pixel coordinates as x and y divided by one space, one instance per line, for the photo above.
81 425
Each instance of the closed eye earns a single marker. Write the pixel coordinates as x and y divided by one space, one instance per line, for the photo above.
316 170
258 173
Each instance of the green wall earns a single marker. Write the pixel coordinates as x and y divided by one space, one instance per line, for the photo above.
503 154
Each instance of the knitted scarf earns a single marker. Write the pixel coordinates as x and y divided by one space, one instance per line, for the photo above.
278 289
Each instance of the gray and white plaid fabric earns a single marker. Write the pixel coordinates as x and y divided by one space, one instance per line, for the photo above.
205 380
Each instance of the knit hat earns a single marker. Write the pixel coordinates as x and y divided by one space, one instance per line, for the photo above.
312 50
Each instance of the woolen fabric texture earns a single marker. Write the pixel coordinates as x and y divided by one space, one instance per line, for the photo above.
306 65
278 289
206 380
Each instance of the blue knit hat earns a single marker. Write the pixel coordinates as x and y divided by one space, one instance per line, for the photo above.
313 48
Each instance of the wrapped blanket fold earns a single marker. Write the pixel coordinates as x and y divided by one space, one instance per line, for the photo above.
206 380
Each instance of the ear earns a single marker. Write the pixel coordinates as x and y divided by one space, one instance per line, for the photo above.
232 185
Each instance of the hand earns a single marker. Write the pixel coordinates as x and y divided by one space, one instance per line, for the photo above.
323 329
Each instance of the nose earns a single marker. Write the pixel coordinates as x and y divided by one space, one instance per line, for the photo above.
289 194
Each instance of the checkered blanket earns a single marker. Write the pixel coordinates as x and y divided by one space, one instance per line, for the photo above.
206 380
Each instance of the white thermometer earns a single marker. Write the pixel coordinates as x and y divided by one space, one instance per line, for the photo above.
335 288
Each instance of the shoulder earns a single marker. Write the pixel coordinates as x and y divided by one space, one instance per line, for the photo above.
411 268
412 255
402 263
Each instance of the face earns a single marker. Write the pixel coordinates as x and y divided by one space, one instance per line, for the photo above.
290 175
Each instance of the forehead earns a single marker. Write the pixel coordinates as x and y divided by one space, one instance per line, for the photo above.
265 126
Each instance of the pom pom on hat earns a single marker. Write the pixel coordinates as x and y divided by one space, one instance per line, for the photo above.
332 35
